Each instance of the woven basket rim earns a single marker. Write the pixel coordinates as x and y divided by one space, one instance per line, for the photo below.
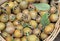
57 26
54 33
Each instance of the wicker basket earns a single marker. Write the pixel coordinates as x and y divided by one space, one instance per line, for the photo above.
57 25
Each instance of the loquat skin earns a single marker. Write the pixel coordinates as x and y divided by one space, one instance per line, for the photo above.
27 30
40 26
19 27
16 10
31 7
9 24
43 36
17 39
33 38
53 17
4 18
16 22
0 10
10 29
33 23
33 14
18 1
26 11
19 16
30 1
48 29
17 33
12 17
53 10
2 26
16 4
38 19
36 31
23 5
24 38
26 17
8 10
11 4
8 38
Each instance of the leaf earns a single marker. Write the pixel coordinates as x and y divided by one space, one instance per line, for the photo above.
45 20
13 18
12 39
26 25
42 6
27 34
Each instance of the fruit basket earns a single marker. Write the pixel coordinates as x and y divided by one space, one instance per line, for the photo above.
29 20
